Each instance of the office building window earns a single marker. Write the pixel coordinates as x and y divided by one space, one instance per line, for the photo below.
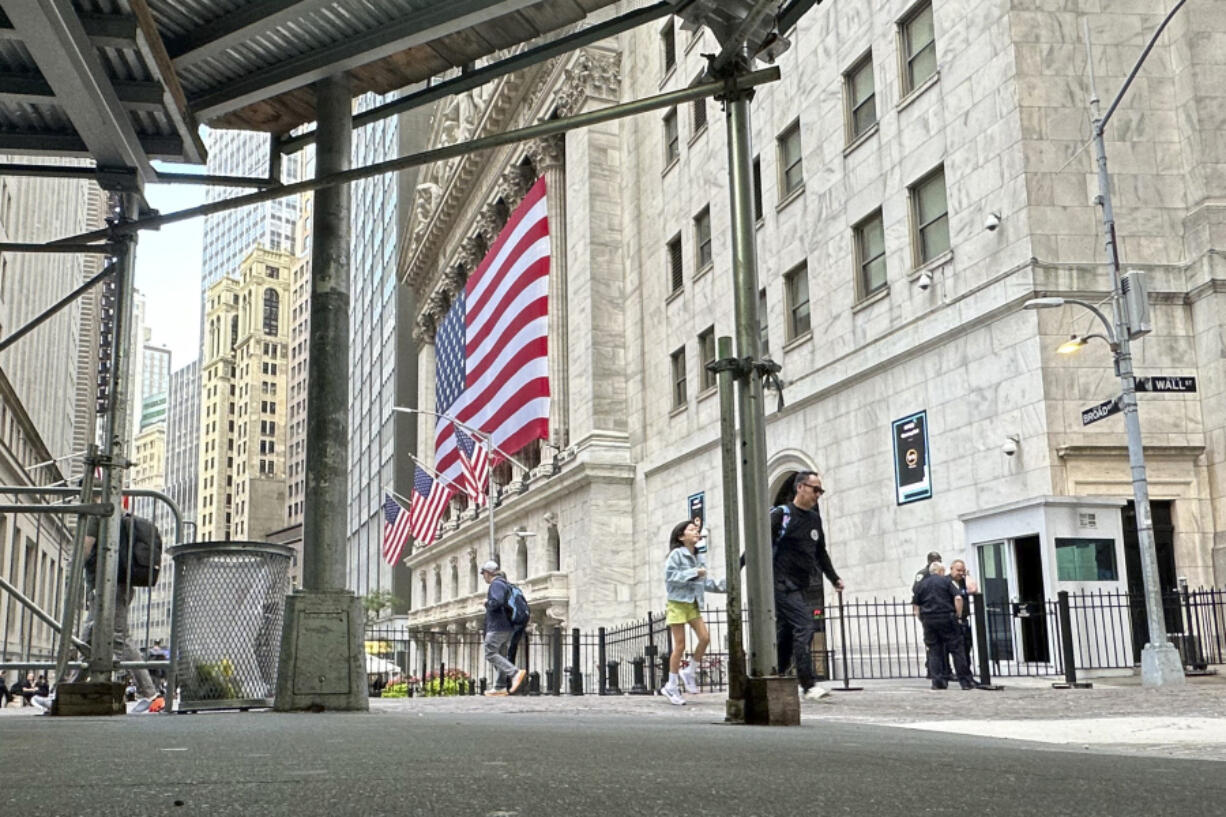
676 272
859 91
918 49
757 188
706 356
668 46
763 324
791 174
702 239
929 217
672 142
677 367
796 285
870 255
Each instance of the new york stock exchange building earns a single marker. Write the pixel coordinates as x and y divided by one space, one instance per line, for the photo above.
920 173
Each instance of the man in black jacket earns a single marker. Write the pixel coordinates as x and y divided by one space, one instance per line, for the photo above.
799 551
938 605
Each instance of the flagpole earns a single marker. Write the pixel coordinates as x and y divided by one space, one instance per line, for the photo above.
475 432
434 474
489 497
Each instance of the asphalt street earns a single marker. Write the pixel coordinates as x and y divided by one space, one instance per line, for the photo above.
496 762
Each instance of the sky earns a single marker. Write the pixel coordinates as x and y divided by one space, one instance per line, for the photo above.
168 269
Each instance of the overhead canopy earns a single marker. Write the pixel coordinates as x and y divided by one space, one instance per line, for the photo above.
126 81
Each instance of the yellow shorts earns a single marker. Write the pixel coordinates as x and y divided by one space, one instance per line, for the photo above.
681 612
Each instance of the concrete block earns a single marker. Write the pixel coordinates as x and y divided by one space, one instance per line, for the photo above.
89 698
772 701
322 664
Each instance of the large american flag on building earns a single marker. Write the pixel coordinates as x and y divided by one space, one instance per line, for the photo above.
429 501
492 347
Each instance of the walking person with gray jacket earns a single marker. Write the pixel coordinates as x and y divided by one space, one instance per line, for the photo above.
498 630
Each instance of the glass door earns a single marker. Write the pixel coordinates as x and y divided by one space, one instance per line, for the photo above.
994 585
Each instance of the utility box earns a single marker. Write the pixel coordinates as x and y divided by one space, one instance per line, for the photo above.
1135 290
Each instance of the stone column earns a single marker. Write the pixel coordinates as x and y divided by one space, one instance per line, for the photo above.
549 155
322 663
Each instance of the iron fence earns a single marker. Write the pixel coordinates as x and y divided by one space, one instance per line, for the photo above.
862 639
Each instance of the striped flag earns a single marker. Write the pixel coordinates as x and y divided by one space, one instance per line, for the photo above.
492 346
474 467
429 501
395 529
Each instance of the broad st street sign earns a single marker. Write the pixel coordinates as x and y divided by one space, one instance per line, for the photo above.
1104 409
1167 383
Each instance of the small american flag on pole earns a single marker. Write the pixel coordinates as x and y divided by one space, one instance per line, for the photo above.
395 529
492 346
429 501
474 467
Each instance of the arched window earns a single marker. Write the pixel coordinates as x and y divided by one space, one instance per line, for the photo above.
438 587
455 581
233 331
473 576
424 601
272 312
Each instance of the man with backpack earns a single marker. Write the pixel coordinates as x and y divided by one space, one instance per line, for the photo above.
798 552
503 613
140 561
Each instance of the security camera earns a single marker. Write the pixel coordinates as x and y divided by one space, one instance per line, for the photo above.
1009 446
992 222
924 282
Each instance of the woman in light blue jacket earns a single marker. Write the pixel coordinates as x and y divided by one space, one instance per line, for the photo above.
685 579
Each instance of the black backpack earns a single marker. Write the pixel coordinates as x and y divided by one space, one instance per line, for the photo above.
140 538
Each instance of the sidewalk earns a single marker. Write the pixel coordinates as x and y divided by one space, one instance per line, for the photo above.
1116 715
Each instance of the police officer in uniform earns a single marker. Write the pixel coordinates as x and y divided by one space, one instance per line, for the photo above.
799 552
938 605
966 586
920 575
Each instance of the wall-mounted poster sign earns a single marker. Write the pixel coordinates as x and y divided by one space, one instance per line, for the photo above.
696 507
912 476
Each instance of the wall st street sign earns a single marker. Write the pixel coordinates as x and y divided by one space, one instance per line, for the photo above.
1177 384
1104 409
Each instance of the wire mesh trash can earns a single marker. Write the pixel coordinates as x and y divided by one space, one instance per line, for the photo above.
228 608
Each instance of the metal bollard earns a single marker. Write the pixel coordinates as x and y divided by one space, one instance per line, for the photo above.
1066 645
555 685
980 614
576 674
483 685
600 661
639 687
614 679
472 686
534 683
650 652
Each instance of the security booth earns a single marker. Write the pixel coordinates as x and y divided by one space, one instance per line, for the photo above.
1023 554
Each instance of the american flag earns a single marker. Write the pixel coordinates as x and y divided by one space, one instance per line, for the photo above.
474 465
492 346
395 529
429 501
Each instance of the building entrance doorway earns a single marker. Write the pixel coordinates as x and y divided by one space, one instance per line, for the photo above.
995 587
1164 547
1031 607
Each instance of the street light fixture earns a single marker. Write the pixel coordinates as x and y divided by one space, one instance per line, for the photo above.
1160 662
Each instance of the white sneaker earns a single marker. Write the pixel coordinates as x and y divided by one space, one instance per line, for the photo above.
673 694
689 679
141 705
814 693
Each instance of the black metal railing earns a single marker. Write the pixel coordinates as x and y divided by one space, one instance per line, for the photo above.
871 638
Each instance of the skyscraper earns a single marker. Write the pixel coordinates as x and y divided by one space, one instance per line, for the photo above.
242 439
229 236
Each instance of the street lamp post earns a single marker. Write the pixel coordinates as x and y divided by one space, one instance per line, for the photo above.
1160 662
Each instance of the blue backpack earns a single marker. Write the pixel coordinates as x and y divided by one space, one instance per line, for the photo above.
518 611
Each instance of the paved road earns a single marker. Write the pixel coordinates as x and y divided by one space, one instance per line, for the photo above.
494 760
